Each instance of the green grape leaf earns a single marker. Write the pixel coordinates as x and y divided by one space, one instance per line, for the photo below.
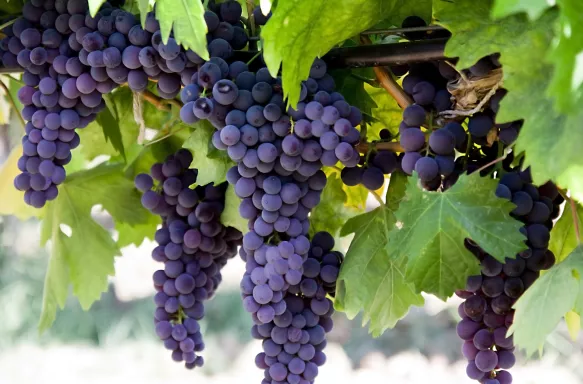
387 113
136 234
212 164
82 252
319 27
431 228
186 19
12 7
144 7
334 208
421 8
353 89
11 198
534 8
371 280
230 216
519 41
94 6
110 126
566 85
114 129
563 236
541 307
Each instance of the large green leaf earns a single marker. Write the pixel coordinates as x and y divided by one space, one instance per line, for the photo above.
520 41
563 236
230 216
212 164
334 207
534 8
566 85
431 228
94 6
82 252
542 306
371 280
301 30
387 113
353 89
186 19
114 129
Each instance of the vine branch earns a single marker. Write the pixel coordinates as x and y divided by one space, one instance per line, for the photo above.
575 220
388 83
12 103
495 161
392 146
160 103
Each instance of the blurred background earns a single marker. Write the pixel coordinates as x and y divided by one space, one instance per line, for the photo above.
114 342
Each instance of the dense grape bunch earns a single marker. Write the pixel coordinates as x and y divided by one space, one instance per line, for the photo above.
376 165
193 245
71 59
487 311
294 339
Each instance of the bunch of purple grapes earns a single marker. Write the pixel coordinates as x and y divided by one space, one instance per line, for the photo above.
487 311
278 176
193 245
71 59
376 165
432 158
291 319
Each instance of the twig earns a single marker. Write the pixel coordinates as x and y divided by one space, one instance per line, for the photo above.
392 146
8 23
158 102
254 57
575 220
388 83
154 141
251 18
377 197
461 73
139 117
450 114
12 102
497 160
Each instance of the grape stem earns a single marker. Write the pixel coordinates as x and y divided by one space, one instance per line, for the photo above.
391 146
495 161
388 82
251 18
377 197
158 102
575 220
12 102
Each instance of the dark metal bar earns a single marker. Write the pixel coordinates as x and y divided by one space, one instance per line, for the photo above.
398 31
386 54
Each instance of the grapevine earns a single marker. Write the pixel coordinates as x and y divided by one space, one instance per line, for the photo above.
231 129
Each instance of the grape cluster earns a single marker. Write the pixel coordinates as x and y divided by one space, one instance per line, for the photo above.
432 157
279 155
377 164
291 319
487 310
193 245
71 59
